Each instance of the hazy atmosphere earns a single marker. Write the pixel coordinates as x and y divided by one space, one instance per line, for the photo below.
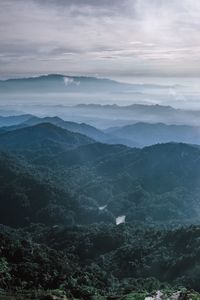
107 38
100 149
136 41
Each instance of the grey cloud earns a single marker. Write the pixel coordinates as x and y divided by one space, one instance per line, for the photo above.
113 5
105 37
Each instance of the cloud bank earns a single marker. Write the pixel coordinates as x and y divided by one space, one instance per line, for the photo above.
107 38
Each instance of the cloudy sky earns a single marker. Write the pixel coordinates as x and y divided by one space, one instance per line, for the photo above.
100 37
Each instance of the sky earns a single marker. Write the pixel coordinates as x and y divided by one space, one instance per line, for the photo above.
107 38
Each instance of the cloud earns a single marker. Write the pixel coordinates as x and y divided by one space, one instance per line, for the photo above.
129 37
70 81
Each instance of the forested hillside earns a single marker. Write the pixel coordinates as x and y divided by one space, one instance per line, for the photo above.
99 150
154 185
100 262
63 193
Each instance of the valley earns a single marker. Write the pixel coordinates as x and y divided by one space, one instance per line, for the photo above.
63 192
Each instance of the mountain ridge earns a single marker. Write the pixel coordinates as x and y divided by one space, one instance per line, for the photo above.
41 137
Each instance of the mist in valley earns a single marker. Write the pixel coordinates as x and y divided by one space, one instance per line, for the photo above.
99 150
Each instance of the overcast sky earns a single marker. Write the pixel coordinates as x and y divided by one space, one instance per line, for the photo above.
100 37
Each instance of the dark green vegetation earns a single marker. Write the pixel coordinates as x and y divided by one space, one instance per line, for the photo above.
40 137
62 192
26 196
155 185
99 260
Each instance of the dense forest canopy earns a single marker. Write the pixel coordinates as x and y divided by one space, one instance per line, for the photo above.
61 195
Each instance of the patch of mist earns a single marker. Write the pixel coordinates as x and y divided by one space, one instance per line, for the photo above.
120 220
102 207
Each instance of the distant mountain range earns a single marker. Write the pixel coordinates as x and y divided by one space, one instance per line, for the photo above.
60 83
145 134
81 128
103 116
64 83
64 90
135 107
13 120
134 135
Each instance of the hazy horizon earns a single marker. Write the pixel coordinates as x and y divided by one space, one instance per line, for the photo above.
139 42
100 149
178 92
